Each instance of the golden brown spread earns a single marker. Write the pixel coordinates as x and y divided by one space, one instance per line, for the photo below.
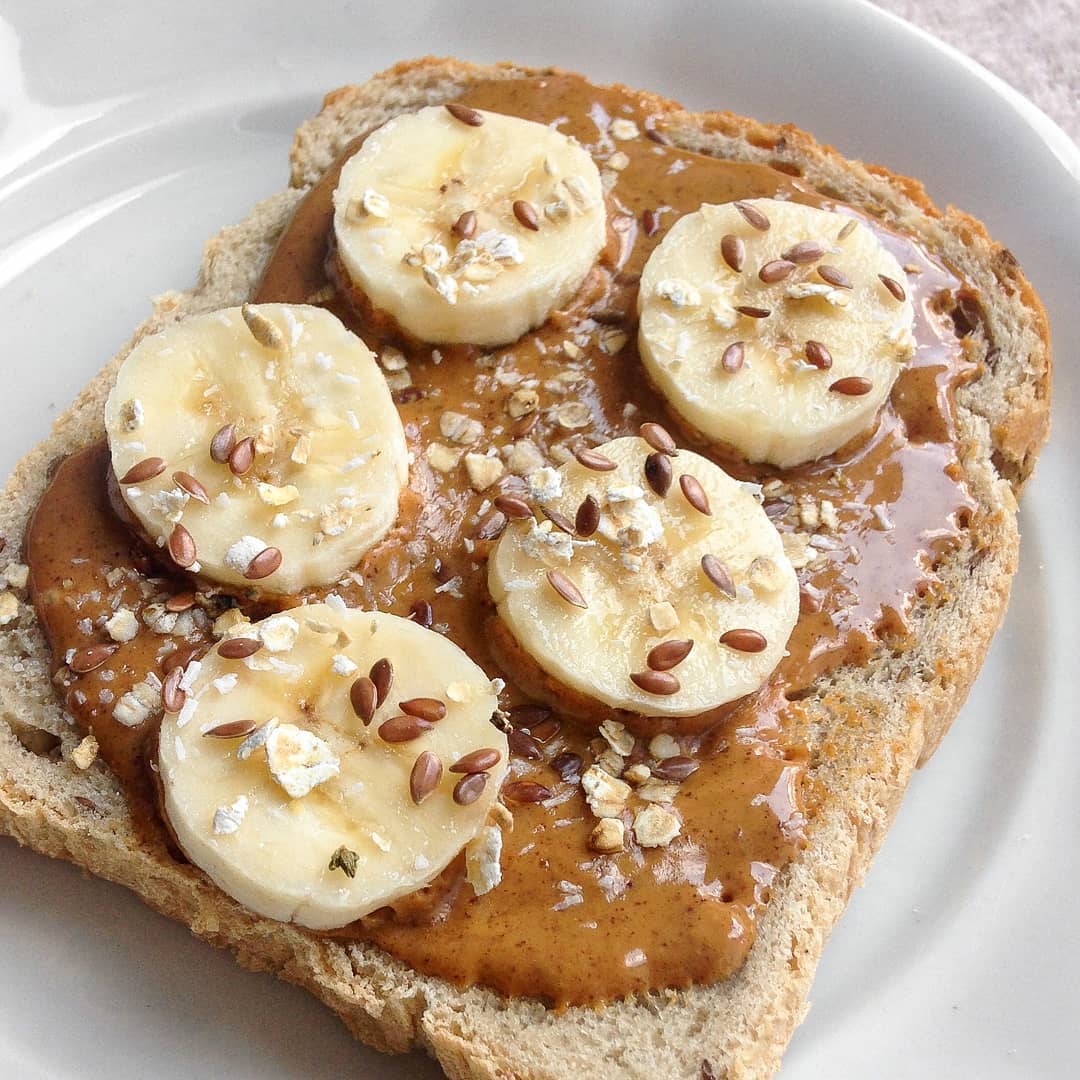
566 924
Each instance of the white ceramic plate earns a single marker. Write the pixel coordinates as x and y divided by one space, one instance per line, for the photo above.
132 131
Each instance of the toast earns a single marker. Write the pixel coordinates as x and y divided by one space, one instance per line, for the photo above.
869 726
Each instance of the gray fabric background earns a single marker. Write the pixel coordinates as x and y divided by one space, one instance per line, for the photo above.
1032 44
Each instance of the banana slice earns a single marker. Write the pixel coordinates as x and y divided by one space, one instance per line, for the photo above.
258 444
276 787
776 328
662 604
468 226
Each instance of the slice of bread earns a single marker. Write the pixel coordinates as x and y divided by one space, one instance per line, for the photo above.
904 702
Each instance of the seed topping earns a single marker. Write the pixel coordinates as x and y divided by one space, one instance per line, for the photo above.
836 278
362 696
526 791
469 788
752 312
525 212
733 251
659 438
238 648
477 761
847 229
719 575
894 287
420 612
382 675
172 697
566 589
852 386
658 473
587 520
464 113
93 656
234 729
817 355
184 601
668 654
806 251
748 641
465 226
187 482
528 716
403 729
242 456
427 708
661 683
425 776
734 357
593 459
694 494
182 547
146 469
753 216
776 270
221 445
675 769
524 745
491 525
559 520
513 507
264 564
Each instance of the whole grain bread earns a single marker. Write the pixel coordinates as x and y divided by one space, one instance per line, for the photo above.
870 726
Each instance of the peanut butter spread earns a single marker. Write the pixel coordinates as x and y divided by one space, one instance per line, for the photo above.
568 924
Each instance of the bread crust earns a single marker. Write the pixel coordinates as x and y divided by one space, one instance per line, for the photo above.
871 726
